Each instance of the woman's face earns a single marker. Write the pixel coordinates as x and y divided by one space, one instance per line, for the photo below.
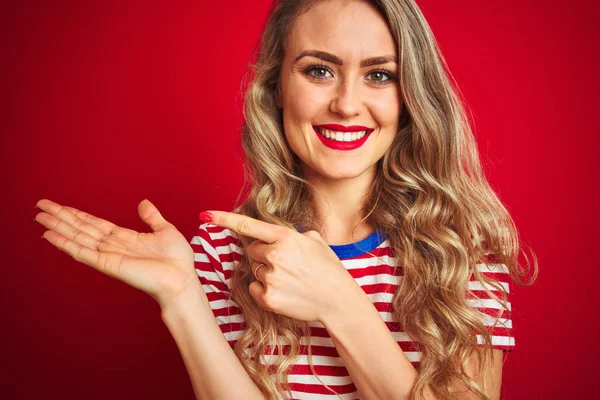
339 79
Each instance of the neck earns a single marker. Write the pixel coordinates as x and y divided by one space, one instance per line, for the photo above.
339 204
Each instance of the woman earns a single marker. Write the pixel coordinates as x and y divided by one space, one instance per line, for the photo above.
369 259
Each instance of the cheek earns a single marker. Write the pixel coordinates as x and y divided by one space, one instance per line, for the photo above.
304 100
386 109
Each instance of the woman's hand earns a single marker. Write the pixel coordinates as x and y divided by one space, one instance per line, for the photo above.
160 263
302 277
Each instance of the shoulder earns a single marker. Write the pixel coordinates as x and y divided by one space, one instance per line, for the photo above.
216 244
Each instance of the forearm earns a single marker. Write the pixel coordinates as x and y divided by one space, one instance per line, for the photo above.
376 363
214 369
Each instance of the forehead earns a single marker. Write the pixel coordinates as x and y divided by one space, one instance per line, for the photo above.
351 30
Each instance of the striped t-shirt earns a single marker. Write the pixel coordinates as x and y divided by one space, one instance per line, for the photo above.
217 251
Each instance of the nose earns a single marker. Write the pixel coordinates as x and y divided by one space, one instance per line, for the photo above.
346 101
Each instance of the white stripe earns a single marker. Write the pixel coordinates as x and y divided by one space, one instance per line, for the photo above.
328 342
317 341
228 265
317 360
207 247
201 257
476 285
492 268
227 319
224 234
210 275
213 276
315 324
311 396
412 356
234 335
214 252
219 304
488 320
387 316
229 248
380 297
326 379
362 263
499 340
379 278
401 337
211 289
487 303
320 341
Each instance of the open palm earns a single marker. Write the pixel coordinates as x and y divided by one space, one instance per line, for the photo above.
160 263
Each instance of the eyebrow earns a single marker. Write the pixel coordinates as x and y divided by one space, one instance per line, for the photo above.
323 55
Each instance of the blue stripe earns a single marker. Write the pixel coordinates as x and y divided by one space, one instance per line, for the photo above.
359 248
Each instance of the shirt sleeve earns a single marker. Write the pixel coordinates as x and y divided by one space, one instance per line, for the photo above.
216 253
495 314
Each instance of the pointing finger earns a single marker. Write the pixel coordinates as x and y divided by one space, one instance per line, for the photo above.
246 226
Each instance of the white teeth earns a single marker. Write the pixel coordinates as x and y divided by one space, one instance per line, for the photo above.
341 136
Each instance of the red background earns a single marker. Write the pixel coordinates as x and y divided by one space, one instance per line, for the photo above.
109 102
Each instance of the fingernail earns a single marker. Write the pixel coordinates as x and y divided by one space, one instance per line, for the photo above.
206 216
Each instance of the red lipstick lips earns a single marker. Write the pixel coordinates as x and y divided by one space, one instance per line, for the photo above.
337 145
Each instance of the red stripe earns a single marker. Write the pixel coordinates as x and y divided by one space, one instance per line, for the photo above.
320 389
384 307
213 296
226 241
227 311
208 267
379 288
229 257
323 370
374 270
232 327
218 284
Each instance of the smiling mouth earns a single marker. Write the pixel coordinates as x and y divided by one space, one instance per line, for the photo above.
342 136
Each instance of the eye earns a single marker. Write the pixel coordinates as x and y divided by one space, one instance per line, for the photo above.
318 72
381 76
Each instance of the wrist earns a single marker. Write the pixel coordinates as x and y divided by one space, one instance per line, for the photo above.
346 307
189 299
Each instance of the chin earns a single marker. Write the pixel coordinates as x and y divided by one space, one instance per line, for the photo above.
342 171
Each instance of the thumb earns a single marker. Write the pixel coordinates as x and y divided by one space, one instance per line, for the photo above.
152 217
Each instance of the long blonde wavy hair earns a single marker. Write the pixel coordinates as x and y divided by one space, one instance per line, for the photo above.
431 200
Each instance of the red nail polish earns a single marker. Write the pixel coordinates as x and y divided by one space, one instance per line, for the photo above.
206 216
